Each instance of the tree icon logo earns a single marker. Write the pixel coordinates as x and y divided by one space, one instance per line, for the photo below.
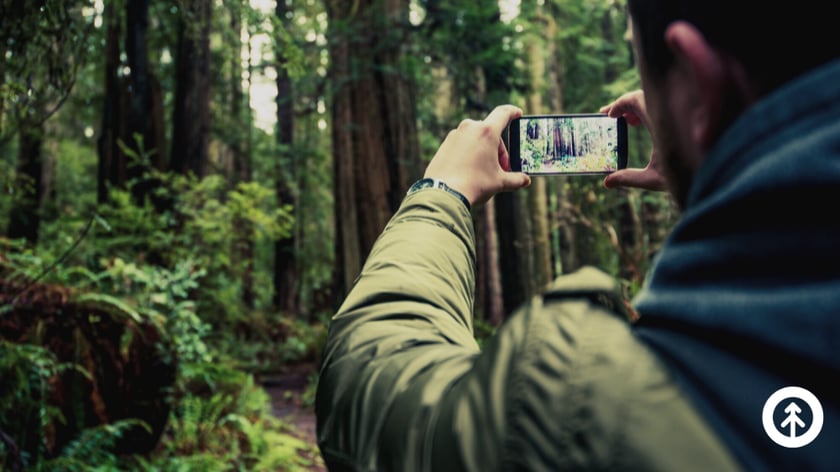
792 430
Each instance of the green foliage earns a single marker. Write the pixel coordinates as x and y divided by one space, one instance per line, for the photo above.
25 411
42 45
175 261
164 297
196 236
224 422
274 340
92 450
483 330
307 398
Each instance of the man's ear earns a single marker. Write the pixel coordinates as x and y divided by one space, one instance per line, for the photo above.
703 82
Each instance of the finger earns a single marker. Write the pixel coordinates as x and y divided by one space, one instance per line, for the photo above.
515 180
504 156
499 118
636 178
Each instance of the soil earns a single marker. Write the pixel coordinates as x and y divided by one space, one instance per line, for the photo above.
286 389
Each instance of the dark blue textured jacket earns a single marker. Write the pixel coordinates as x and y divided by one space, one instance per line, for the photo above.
744 298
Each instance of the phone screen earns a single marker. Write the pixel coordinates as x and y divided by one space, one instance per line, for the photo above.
568 144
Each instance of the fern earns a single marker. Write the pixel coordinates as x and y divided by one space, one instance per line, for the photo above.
24 412
92 450
108 304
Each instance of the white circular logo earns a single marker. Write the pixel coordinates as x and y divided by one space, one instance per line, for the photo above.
791 431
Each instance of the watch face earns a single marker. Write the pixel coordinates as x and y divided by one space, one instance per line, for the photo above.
423 183
435 183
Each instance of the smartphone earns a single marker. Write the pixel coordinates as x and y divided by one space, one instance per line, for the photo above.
567 144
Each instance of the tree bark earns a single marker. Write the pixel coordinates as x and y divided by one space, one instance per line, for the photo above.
494 301
285 265
110 155
191 117
24 217
139 135
563 218
537 197
375 147
144 128
240 148
506 212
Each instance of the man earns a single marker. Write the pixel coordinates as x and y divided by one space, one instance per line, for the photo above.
743 300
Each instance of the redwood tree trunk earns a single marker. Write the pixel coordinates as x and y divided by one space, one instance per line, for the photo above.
110 156
541 272
375 147
24 218
145 107
191 117
240 148
285 267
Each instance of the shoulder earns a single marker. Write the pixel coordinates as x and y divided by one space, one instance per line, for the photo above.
603 397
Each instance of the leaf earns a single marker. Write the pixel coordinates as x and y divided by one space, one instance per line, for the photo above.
109 304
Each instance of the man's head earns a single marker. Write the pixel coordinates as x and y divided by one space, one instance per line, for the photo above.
703 62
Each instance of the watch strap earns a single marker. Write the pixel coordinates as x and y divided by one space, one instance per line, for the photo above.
437 183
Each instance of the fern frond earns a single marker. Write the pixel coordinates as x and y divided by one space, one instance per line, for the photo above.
93 447
108 304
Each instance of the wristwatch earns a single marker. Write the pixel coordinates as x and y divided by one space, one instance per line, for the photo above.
437 183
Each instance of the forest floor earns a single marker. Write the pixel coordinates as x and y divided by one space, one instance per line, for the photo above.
286 390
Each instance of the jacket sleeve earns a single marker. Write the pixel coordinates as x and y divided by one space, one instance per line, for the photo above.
403 384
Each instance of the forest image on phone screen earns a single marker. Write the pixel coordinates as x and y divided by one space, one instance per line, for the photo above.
580 144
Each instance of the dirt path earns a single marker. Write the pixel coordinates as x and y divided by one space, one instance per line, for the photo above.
286 389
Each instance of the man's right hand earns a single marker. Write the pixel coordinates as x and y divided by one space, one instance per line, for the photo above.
473 158
632 107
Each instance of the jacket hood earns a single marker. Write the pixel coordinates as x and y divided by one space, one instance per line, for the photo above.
744 297
757 250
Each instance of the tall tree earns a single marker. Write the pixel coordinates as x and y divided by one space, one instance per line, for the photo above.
191 116
144 130
541 272
562 220
24 220
285 266
240 145
42 46
467 39
111 159
132 135
375 146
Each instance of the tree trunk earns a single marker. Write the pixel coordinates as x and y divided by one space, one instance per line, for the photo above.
191 117
24 218
144 128
562 215
494 301
240 149
110 156
522 222
541 272
375 147
285 266
511 263
138 136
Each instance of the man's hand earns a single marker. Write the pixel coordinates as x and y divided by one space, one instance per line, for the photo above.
474 161
632 107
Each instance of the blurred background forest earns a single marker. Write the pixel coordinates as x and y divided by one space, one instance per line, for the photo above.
190 187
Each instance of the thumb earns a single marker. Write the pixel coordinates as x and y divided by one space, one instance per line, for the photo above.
638 178
515 180
616 179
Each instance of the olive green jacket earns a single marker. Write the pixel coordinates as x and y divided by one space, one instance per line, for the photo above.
564 384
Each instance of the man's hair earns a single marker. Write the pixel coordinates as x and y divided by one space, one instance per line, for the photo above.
775 41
